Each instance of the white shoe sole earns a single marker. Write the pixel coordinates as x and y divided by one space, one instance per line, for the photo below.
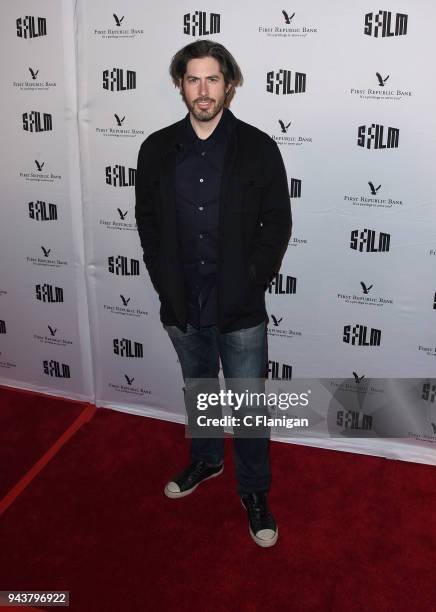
260 541
176 495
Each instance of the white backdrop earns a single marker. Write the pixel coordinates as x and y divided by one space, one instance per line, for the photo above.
354 307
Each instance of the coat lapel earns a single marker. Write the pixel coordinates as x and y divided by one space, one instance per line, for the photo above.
175 285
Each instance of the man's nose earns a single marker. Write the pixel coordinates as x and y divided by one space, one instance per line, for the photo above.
203 87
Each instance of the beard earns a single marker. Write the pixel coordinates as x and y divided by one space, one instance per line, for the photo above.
204 114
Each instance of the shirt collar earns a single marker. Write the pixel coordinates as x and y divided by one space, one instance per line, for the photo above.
221 131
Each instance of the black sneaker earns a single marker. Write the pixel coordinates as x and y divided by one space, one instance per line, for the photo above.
187 481
263 528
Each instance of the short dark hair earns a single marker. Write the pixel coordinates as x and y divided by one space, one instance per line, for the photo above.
206 48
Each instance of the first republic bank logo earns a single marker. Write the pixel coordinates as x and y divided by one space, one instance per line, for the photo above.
290 26
34 121
385 24
31 27
120 31
200 23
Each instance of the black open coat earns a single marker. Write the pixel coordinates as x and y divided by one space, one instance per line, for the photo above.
254 223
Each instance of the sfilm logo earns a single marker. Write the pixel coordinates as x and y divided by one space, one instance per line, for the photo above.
34 121
2 327
279 371
351 419
119 79
365 240
285 82
31 27
116 176
122 266
295 190
200 24
428 393
43 211
283 285
56 369
123 347
373 137
381 24
360 335
48 293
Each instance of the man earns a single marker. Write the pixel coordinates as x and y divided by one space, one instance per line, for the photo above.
214 220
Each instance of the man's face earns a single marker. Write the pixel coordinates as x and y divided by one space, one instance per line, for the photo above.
203 88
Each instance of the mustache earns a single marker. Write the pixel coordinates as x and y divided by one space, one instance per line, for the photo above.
204 100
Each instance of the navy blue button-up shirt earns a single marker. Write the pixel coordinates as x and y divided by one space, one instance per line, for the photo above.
199 168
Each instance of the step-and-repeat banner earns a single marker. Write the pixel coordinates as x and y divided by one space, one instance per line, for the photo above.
345 92
44 330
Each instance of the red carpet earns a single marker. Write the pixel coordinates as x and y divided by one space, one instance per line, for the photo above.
357 533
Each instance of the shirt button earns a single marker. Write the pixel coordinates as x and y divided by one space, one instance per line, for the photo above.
202 262
200 235
201 208
201 180
203 153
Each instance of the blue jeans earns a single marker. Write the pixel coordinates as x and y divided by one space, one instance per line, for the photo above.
244 354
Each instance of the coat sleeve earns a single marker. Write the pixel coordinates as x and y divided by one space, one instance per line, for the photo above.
146 218
276 220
